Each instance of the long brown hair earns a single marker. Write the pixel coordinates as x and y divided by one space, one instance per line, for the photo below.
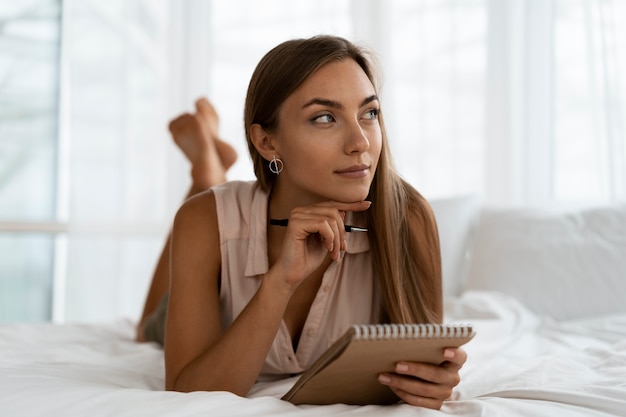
403 234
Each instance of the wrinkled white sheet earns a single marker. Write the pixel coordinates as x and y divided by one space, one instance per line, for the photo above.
519 365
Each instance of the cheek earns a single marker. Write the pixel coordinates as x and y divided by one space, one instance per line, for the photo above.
310 148
376 147
308 160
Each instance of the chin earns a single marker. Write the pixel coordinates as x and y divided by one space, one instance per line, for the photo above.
351 196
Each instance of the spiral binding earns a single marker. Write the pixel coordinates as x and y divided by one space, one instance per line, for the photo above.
410 331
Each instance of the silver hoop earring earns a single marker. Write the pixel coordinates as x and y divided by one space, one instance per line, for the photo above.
276 165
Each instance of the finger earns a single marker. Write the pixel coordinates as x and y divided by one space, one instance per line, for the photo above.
356 206
317 211
430 373
455 358
415 391
416 400
326 209
337 226
328 232
340 233
314 214
325 231
342 230
337 230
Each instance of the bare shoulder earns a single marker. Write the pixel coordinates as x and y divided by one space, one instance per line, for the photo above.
197 215
200 206
195 235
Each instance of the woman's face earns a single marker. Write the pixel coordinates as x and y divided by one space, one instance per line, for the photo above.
328 135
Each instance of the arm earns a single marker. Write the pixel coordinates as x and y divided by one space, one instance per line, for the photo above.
159 286
198 355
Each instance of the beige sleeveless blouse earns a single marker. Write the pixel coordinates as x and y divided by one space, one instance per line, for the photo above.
347 295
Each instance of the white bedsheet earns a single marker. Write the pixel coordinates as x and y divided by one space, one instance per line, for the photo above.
519 365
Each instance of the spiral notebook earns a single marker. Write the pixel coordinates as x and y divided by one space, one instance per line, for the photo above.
348 371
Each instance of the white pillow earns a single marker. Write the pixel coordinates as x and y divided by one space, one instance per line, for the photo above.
562 264
456 219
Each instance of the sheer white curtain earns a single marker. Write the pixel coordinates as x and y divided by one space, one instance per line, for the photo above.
432 55
117 178
590 100
29 70
555 102
520 101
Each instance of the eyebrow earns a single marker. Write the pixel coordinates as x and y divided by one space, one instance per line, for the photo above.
335 104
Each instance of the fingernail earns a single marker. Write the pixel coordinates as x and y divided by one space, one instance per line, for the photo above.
402 367
384 379
448 354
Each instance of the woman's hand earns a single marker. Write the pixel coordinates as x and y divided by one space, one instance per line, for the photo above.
423 384
313 233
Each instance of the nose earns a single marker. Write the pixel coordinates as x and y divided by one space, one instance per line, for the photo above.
356 138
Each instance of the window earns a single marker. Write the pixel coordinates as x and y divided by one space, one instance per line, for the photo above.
29 108
519 101
87 188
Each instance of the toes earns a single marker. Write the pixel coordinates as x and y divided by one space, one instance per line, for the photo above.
181 122
206 109
228 154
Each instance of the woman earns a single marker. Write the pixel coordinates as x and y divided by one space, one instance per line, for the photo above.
264 275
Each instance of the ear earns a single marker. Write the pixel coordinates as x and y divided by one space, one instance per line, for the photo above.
263 142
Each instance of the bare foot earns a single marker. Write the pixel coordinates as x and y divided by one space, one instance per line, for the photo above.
209 117
189 133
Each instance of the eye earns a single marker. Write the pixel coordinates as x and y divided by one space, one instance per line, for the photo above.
323 118
372 114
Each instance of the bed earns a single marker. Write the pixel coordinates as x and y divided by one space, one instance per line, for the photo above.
544 289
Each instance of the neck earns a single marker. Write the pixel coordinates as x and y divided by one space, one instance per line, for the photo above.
283 199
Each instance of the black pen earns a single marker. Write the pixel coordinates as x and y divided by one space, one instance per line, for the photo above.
347 227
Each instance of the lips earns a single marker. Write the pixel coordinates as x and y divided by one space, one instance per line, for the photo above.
354 168
355 171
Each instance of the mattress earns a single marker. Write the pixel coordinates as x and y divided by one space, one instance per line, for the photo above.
519 364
